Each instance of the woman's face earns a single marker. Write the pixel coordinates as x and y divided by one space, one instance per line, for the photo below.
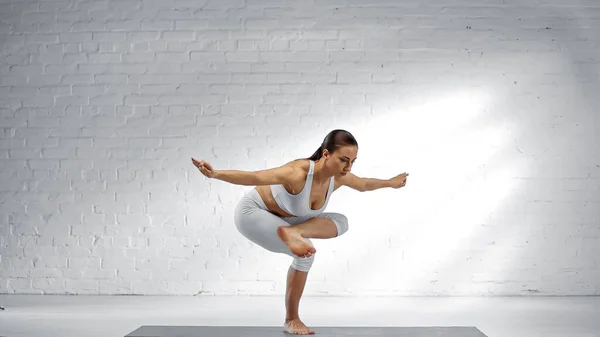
340 162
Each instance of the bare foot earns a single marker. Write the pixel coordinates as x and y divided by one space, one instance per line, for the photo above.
296 327
292 238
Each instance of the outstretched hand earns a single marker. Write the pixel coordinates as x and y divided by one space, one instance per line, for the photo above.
399 180
204 167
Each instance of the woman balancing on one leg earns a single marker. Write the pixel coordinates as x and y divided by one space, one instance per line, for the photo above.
286 209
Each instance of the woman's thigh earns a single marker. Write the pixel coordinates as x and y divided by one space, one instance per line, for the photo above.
257 224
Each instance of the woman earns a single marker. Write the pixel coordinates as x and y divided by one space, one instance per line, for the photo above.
286 208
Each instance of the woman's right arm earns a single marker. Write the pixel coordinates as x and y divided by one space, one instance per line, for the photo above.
279 175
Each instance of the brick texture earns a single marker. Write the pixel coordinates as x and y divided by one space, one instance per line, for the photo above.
491 105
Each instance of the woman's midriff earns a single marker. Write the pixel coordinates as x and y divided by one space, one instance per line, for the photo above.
265 193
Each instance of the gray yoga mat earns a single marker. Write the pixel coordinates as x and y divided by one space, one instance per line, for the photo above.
257 331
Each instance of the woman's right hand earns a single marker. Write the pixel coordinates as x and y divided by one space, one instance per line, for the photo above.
204 167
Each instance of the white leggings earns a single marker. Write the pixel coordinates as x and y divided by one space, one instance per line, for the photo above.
256 223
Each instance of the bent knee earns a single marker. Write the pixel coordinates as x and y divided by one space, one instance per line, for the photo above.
340 221
303 263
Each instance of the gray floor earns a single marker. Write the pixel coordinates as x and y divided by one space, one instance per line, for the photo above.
106 316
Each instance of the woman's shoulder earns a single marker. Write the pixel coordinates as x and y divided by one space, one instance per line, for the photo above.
301 164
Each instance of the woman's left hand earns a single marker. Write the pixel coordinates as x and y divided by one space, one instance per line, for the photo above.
399 180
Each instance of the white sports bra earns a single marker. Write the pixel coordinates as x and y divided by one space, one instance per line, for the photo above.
299 204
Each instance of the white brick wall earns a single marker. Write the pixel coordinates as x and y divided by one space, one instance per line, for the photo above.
490 105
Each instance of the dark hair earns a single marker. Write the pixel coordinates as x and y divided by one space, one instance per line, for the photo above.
334 140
